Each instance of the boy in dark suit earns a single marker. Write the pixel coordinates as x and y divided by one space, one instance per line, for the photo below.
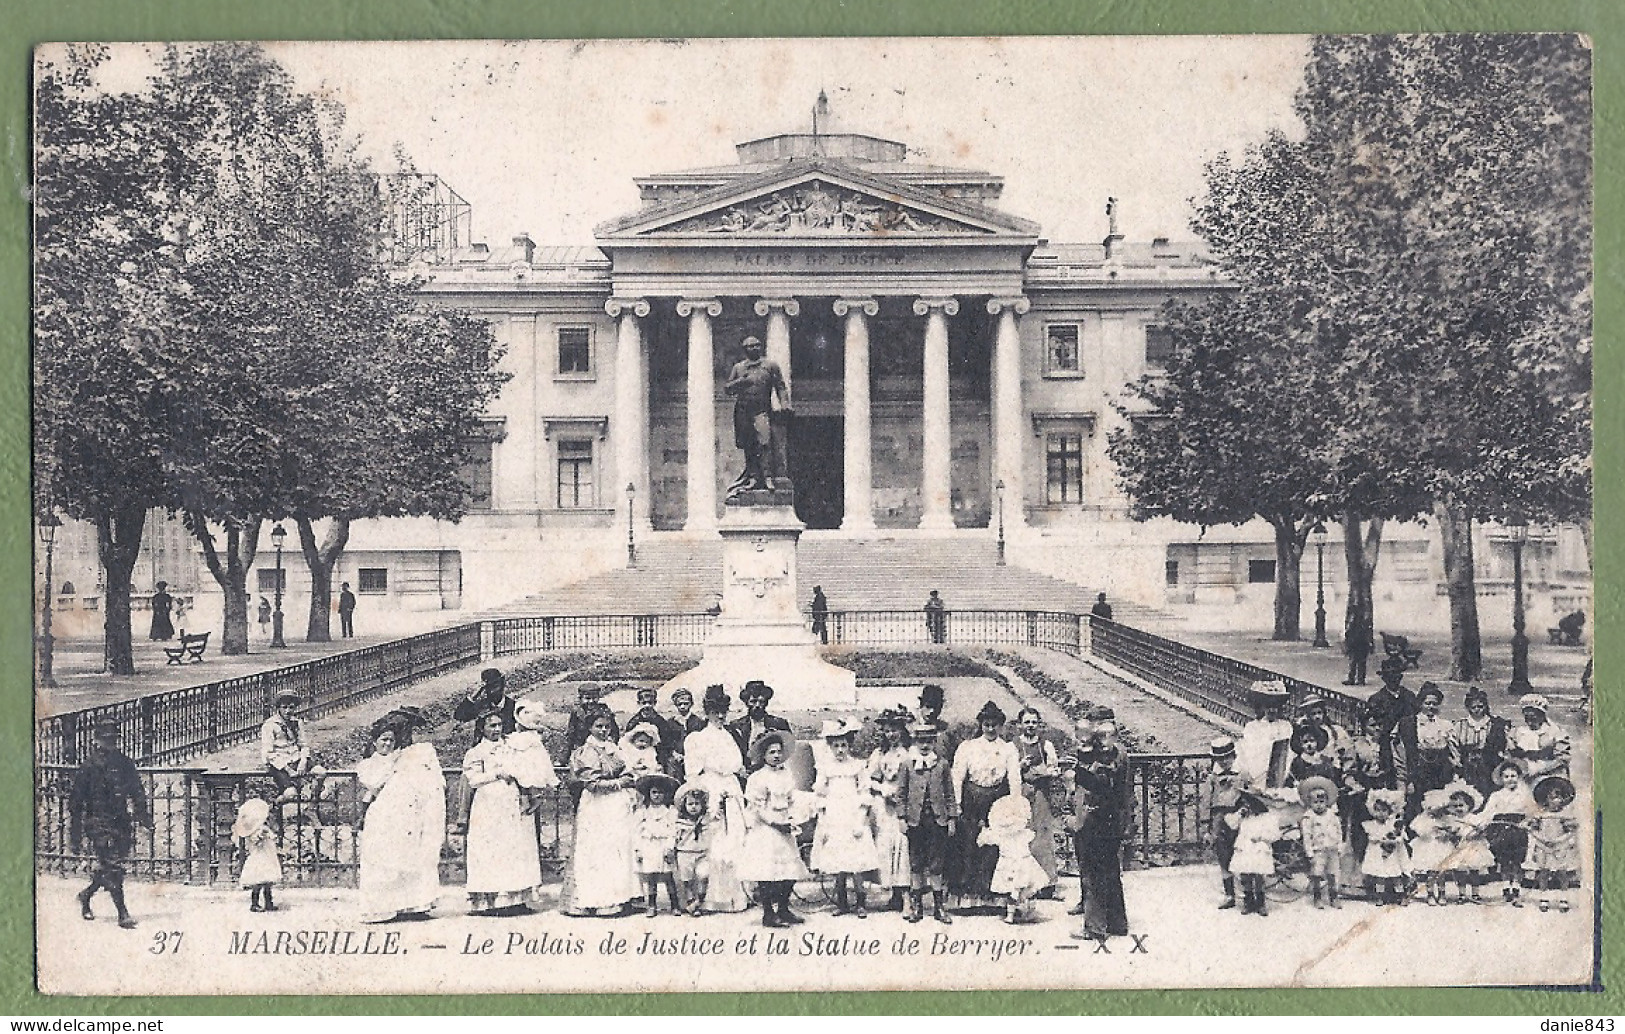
932 813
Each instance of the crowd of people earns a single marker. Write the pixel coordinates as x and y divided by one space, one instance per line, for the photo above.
726 812
1409 803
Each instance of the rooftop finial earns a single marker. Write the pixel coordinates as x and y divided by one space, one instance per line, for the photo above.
820 110
1111 216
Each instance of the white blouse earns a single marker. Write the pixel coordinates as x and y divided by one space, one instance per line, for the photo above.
987 763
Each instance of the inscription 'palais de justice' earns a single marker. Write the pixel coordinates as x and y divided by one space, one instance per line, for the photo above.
839 259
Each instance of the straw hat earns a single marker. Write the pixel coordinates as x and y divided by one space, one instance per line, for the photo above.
758 750
251 817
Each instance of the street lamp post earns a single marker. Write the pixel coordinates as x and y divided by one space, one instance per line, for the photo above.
47 643
1518 532
279 535
998 490
631 539
1320 586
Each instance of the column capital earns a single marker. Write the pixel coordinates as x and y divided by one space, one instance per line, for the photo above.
868 306
638 307
1018 304
790 306
949 306
710 306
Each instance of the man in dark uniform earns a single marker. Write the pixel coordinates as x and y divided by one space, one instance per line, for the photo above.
106 803
1101 819
346 611
756 722
1391 719
588 708
761 409
491 695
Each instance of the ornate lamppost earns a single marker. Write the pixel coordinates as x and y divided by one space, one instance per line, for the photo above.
279 535
48 526
998 491
1319 535
1518 534
631 538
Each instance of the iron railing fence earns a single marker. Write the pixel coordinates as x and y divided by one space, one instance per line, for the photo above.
1217 683
165 728
193 811
1053 629
598 631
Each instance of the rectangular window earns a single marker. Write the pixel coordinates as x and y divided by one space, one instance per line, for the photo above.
575 351
1061 349
1171 572
1261 571
1064 464
372 579
476 472
575 474
1159 347
268 579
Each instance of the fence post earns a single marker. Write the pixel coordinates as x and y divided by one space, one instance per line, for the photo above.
1032 628
212 701
145 705
488 640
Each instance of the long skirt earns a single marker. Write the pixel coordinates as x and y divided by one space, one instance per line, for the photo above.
971 865
601 866
724 891
891 844
1100 861
503 855
1042 824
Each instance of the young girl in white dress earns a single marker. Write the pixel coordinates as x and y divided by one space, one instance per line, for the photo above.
262 868
638 750
1017 873
844 844
1257 830
655 843
886 770
771 859
693 844
1387 861
1553 862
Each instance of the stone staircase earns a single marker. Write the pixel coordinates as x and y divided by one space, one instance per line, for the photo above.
678 575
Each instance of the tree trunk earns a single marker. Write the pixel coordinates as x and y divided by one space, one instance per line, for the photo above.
118 545
231 573
1288 598
1361 545
1585 533
320 560
1456 534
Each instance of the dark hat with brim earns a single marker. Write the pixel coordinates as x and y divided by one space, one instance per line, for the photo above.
756 688
758 750
105 727
931 695
1392 666
491 676
716 699
654 779
1544 789
288 696
1309 737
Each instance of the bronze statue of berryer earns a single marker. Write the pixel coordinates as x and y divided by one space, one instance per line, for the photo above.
761 419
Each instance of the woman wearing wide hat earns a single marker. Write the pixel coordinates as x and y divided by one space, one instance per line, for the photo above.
404 825
984 769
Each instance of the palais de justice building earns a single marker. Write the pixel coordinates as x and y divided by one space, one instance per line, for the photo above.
936 346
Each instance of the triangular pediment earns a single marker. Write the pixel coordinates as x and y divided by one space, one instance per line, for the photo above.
813 199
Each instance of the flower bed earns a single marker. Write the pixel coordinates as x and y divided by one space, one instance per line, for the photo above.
1078 708
882 666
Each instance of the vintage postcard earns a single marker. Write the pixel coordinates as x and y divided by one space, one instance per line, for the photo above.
816 514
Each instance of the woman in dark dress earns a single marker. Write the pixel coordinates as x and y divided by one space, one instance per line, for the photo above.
985 769
162 628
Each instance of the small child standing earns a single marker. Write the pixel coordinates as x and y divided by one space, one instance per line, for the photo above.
1017 873
1387 861
844 842
654 844
1433 845
1554 842
1470 860
262 866
1502 825
932 814
1257 830
1321 832
693 841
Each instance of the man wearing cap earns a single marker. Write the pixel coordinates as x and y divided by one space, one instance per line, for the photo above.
761 409
285 752
588 708
756 722
489 697
1538 745
104 806
1391 719
1225 784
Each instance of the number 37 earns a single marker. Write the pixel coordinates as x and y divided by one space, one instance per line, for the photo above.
166 942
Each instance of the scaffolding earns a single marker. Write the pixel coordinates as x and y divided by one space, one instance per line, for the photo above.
429 221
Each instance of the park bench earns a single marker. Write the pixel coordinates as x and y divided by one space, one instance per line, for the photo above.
1400 646
191 648
1568 630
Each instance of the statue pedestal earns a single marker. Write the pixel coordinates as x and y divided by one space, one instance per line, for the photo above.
761 633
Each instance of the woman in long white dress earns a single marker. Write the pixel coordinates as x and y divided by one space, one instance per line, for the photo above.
713 763
504 859
404 825
603 871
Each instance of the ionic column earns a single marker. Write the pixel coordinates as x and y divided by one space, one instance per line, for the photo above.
936 488
631 410
1007 436
702 414
858 514
778 312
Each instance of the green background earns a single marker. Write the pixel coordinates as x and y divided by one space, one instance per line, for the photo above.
29 22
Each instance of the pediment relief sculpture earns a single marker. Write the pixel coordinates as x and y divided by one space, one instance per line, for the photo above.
818 208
